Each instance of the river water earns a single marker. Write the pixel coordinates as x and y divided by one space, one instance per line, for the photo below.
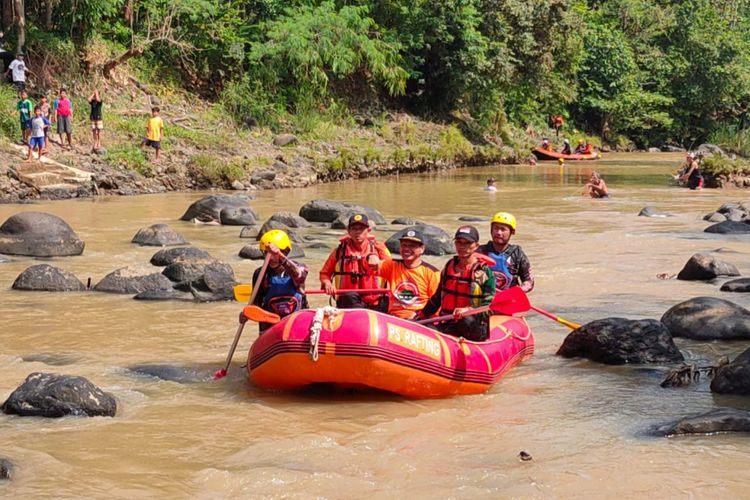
584 424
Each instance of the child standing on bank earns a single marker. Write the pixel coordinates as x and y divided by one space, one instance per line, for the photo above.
25 109
46 113
96 119
154 132
39 125
64 118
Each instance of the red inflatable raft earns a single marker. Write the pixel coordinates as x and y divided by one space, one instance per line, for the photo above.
362 348
544 154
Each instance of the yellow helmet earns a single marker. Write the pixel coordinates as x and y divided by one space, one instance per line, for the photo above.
278 238
505 218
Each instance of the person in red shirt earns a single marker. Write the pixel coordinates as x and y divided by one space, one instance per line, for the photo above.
354 265
412 280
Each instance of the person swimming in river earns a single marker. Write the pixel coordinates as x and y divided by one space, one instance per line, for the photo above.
491 185
596 187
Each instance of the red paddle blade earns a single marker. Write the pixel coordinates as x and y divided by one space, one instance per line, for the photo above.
255 313
510 301
220 374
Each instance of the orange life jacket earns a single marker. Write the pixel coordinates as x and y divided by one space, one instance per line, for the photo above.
588 149
353 272
461 289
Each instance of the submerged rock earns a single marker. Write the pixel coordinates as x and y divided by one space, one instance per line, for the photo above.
711 422
618 341
132 280
174 373
53 395
708 318
158 235
46 278
38 234
6 469
728 227
650 212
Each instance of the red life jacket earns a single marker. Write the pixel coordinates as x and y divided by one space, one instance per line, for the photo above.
559 121
352 271
588 149
461 289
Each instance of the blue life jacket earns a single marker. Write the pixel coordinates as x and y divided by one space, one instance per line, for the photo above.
503 276
282 296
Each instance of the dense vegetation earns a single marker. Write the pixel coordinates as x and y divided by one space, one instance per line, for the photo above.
646 71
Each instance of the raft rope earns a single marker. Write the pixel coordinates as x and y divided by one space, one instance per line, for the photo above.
316 326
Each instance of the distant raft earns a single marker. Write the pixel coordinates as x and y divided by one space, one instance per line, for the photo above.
359 348
543 154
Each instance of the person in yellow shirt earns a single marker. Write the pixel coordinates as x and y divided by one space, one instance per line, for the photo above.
154 132
412 281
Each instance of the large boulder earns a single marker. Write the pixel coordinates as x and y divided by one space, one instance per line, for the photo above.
734 377
708 318
329 211
38 234
53 395
208 208
238 216
618 341
711 422
180 254
728 227
46 278
158 235
701 267
437 241
133 280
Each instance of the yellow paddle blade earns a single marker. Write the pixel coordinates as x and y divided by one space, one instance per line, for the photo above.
243 292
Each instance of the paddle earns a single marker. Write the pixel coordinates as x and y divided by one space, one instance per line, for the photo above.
223 372
510 301
569 324
243 291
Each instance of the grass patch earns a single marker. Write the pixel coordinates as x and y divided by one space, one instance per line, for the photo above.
217 170
129 156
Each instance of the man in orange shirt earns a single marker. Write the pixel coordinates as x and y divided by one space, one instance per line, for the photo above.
354 265
412 281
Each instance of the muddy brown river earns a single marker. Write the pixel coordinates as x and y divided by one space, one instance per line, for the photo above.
585 425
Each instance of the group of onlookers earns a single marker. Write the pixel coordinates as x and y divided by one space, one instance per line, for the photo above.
36 121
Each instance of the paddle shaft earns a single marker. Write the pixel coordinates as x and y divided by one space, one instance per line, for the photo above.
572 326
447 317
237 335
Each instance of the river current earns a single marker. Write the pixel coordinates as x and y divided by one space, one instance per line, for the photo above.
585 425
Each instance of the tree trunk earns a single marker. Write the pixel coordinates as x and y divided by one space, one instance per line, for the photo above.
49 7
113 63
7 14
21 23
